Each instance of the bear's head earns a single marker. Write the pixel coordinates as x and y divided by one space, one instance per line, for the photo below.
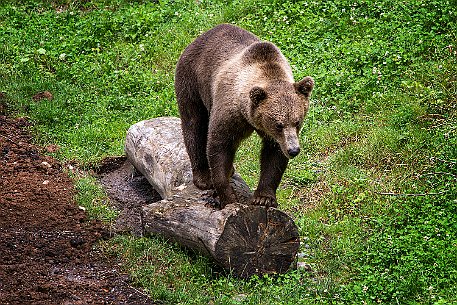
278 110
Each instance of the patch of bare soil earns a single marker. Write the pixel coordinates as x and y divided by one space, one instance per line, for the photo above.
128 191
125 186
47 251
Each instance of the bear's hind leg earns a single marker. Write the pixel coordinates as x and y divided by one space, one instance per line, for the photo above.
194 124
221 153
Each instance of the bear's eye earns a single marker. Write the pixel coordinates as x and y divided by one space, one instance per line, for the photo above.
279 126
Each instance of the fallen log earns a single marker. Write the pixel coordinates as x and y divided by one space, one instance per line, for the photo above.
242 238
156 149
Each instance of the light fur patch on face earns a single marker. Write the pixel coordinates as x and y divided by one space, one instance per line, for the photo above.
291 141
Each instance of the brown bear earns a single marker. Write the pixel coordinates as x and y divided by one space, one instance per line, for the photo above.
229 83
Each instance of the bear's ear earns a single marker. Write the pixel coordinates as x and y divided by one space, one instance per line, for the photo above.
305 86
257 95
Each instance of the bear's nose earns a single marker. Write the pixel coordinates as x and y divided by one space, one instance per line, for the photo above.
293 151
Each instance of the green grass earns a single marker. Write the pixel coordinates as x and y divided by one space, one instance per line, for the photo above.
374 191
93 199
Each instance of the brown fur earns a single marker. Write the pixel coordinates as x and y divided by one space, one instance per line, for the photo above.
229 83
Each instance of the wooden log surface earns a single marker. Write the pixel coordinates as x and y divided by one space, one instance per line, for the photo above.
242 238
156 149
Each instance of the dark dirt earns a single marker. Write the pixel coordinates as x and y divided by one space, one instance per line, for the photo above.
47 243
125 186
128 191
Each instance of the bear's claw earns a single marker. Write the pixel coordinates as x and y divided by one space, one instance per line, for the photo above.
266 201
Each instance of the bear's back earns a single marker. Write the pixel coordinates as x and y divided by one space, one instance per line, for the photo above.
220 44
200 61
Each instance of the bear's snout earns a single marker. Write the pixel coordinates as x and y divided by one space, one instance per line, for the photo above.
294 151
290 146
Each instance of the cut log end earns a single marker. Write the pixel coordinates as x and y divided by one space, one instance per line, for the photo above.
257 240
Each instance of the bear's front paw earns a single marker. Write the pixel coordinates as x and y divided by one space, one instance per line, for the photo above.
268 201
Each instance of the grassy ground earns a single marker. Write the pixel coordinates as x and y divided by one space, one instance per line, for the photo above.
374 193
